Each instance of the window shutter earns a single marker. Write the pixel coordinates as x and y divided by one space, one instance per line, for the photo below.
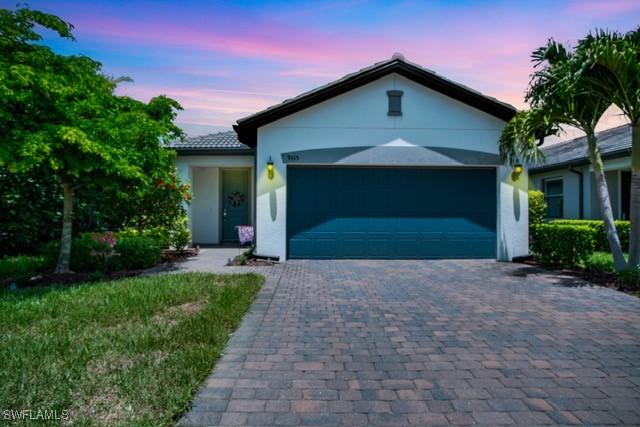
395 102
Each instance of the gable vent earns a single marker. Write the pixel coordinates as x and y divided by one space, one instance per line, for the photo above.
395 102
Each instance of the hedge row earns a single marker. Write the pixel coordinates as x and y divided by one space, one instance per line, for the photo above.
562 244
107 252
600 234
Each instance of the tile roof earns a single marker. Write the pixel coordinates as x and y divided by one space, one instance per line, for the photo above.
612 142
221 141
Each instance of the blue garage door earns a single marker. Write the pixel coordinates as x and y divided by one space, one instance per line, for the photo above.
391 213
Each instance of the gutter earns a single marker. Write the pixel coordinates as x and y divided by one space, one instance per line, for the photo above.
580 191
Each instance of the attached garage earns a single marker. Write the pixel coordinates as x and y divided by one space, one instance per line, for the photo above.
393 161
383 212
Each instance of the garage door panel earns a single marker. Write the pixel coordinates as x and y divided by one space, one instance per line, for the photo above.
466 225
379 247
352 245
325 247
465 245
391 213
431 246
408 247
301 246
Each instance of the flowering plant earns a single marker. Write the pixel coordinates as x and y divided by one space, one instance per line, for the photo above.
108 238
105 244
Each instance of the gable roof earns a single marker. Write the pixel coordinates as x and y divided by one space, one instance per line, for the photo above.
247 127
213 143
614 142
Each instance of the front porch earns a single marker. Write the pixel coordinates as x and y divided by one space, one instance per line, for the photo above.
223 194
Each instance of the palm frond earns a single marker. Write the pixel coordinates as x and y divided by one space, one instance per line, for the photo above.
519 141
611 64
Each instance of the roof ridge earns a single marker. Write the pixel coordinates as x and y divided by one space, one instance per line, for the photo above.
211 134
569 141
399 58
223 141
613 142
247 126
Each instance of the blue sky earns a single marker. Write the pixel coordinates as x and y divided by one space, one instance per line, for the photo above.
225 60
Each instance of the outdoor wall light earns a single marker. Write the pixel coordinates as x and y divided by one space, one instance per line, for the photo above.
270 171
517 170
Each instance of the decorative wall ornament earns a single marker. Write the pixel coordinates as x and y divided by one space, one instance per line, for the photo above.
235 199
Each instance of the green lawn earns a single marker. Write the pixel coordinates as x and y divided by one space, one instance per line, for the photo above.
127 352
599 262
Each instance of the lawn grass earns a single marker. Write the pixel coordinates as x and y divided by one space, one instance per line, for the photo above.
599 262
120 353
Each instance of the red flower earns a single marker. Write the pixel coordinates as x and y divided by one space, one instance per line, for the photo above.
159 182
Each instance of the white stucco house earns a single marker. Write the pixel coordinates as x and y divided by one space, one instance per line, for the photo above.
567 180
392 161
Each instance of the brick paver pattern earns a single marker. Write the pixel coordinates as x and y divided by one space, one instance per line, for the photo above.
427 343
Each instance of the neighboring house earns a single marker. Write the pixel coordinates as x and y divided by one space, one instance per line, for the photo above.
567 180
392 161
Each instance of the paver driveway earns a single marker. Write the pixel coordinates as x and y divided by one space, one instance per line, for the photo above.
427 343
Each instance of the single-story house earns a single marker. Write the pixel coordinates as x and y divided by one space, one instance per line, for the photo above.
392 161
567 180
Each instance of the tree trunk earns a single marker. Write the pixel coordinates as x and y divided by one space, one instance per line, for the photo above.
634 210
67 221
605 204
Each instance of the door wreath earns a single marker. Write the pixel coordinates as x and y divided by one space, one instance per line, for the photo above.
235 199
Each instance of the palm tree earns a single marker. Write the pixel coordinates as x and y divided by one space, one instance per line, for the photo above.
559 96
611 65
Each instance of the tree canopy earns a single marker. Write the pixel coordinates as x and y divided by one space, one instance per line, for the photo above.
559 94
60 114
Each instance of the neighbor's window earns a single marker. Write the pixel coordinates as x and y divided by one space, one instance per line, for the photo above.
553 197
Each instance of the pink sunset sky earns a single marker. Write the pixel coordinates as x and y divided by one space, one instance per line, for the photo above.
225 60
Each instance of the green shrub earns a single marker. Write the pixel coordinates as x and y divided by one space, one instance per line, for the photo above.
629 279
175 235
50 251
537 207
94 252
245 256
107 252
179 234
160 235
600 233
20 269
599 262
87 254
28 201
137 252
562 244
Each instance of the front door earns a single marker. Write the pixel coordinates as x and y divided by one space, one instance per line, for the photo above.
235 202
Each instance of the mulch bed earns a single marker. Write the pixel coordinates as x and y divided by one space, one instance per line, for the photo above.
71 278
45 279
604 279
171 255
250 262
